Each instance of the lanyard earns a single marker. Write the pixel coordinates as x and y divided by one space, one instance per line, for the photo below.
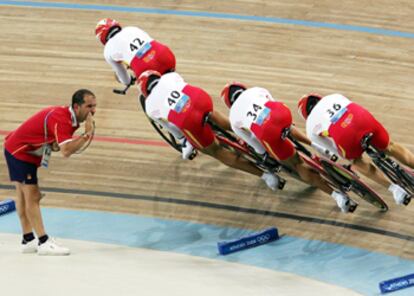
45 123
47 150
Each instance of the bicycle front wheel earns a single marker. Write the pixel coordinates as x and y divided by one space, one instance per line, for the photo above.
164 133
349 181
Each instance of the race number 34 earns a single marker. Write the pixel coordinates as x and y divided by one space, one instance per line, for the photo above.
256 109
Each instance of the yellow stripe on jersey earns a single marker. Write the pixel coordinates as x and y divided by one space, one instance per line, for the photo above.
269 149
342 151
325 133
188 133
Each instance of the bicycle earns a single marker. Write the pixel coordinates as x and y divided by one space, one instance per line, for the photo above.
340 177
395 172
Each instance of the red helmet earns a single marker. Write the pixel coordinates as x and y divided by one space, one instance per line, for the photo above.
231 92
306 104
147 80
103 27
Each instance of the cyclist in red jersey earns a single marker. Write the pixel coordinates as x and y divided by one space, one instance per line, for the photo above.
336 124
131 47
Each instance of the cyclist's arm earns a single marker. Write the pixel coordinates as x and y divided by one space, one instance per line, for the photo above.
172 128
324 146
120 71
250 139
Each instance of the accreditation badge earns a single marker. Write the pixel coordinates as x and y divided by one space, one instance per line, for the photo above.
47 153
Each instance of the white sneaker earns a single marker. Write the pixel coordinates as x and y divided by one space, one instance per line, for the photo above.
344 202
400 195
187 149
51 248
30 247
271 180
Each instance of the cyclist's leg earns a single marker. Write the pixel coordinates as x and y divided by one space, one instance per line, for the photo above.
368 169
231 159
401 153
313 177
298 135
306 173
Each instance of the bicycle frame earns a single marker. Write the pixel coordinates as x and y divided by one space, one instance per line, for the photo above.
228 139
395 172
314 162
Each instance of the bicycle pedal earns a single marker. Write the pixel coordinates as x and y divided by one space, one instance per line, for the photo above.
193 155
407 200
281 184
346 187
395 165
348 167
352 208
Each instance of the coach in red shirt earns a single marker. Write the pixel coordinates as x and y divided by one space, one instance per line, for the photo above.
30 146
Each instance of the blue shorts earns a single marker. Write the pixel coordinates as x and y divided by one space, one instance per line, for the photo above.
20 171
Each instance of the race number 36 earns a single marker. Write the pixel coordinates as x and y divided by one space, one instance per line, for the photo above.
333 110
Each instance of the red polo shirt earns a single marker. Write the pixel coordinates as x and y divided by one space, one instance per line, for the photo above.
30 135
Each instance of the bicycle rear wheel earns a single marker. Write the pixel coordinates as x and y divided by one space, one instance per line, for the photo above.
349 181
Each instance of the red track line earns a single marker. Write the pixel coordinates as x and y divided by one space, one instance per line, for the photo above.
120 140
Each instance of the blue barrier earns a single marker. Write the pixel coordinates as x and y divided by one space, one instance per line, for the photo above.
248 241
397 283
7 206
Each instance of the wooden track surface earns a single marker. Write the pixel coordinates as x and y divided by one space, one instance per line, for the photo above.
46 54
